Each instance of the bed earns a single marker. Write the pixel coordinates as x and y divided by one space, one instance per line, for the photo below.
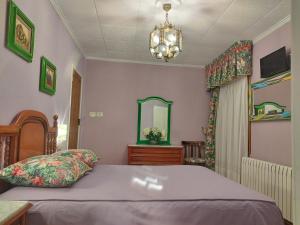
131 195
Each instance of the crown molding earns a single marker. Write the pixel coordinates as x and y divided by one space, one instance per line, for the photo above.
64 21
142 62
272 29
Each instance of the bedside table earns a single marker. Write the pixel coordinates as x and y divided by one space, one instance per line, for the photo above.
13 211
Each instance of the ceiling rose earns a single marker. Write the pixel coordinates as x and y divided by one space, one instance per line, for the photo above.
165 40
160 3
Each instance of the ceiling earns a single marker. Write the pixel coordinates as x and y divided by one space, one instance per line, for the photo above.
119 29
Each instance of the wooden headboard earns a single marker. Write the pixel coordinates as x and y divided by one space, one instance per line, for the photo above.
29 134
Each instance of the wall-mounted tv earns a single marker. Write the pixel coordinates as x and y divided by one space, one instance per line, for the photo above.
274 63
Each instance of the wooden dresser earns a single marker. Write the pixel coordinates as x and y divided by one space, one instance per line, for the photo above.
155 155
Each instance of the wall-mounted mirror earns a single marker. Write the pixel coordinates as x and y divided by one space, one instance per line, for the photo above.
154 121
271 98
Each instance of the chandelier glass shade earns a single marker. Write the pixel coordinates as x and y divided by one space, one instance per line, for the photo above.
165 40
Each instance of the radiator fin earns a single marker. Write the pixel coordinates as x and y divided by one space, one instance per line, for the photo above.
270 179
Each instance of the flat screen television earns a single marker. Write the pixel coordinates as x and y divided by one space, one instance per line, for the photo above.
274 63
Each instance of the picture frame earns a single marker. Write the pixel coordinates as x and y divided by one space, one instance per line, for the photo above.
47 77
20 32
267 98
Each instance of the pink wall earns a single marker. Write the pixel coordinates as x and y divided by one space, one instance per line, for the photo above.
271 141
113 88
19 80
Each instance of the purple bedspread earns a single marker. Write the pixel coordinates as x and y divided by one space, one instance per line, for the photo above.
148 195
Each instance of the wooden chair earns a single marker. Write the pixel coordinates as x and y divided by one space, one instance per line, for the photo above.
194 152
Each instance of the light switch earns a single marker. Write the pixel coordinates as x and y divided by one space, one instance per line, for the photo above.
99 114
92 114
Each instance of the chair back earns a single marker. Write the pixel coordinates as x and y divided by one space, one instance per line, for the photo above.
194 152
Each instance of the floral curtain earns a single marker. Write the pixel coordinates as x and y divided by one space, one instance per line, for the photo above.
232 64
211 129
235 62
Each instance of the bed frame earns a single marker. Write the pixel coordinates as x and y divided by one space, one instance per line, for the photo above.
29 134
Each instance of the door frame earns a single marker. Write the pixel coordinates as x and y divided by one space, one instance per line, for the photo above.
80 108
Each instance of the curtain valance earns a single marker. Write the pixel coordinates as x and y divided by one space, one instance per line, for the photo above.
235 61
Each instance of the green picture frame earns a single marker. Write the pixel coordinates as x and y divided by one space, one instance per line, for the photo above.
47 77
257 112
20 32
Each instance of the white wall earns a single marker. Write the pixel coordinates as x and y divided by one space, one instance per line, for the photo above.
296 107
113 88
19 80
275 146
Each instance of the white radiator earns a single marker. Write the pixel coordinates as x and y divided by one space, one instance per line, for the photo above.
270 179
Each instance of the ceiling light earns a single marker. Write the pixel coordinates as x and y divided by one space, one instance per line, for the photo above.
165 40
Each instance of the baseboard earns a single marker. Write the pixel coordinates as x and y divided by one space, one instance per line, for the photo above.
286 222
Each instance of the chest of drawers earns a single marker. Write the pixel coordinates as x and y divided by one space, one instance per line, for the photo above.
155 155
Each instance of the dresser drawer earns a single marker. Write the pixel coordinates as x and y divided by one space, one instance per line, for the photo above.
155 150
155 155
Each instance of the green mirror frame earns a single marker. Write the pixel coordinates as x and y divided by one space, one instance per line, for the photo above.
140 103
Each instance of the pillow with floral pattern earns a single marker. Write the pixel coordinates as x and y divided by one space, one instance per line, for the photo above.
45 171
85 155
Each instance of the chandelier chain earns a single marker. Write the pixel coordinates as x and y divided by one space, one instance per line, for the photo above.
165 40
167 18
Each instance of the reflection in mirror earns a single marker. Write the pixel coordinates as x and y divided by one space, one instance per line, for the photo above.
272 99
154 121
154 115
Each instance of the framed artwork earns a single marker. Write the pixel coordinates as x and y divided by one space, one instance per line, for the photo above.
47 77
270 98
20 32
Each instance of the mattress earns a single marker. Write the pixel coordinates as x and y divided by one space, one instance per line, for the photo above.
148 195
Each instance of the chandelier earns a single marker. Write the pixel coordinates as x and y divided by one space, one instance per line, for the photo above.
165 40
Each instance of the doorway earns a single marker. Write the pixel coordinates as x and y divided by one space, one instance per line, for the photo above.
75 111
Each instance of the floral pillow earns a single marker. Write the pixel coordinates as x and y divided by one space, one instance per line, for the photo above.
85 155
45 171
